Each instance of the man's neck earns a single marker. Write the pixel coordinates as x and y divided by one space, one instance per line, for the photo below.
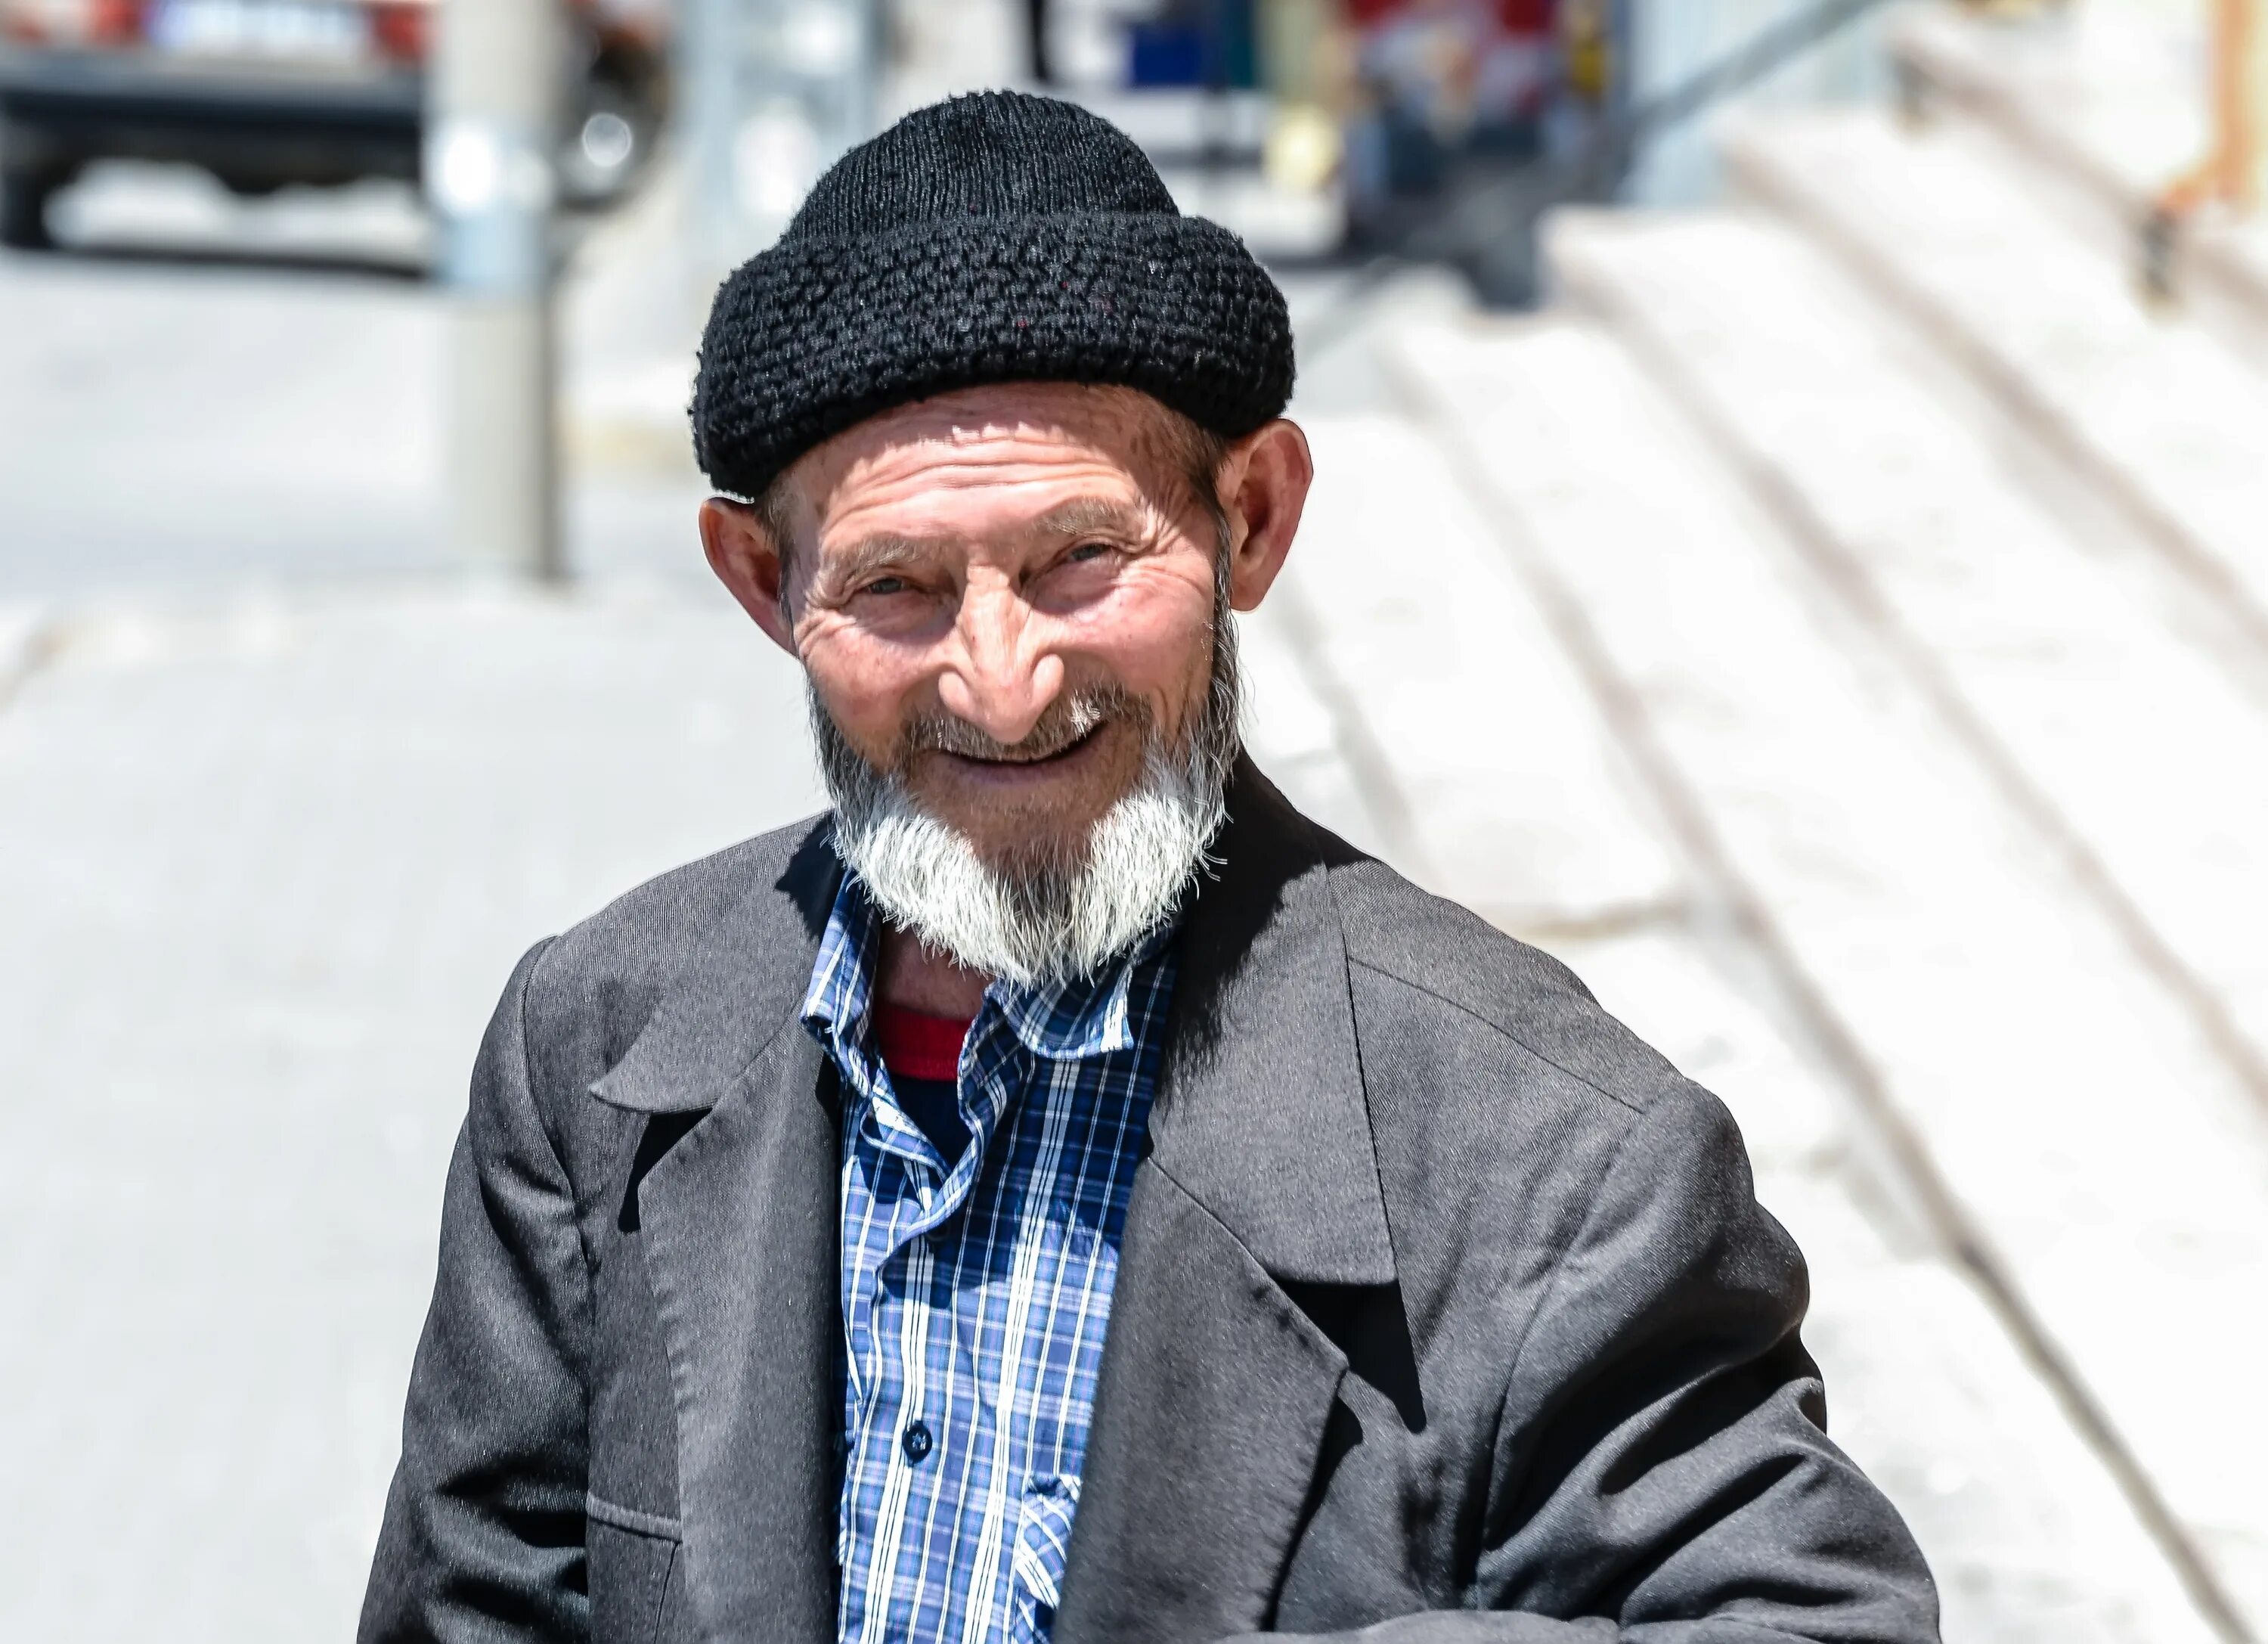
913 978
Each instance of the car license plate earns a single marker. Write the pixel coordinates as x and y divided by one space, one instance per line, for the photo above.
291 30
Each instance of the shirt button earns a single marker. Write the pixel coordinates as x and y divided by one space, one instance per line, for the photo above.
916 1441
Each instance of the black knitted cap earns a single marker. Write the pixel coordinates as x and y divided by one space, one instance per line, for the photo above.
992 238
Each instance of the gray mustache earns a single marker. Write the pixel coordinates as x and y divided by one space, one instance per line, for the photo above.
1064 722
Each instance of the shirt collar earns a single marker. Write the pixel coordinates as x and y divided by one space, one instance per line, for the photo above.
1062 1022
838 1002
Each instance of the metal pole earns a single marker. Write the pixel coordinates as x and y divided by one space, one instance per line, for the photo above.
492 123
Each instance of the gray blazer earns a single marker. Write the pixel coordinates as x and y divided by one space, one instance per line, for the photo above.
1444 1303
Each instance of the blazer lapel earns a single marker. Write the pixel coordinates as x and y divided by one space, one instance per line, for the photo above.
739 1219
1217 1388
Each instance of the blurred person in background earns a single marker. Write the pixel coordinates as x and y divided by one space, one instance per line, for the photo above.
1063 1191
1442 88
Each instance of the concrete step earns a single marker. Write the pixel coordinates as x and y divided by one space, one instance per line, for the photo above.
1476 761
2150 410
2062 1120
2107 104
2143 765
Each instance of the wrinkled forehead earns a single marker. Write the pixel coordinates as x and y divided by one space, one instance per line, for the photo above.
1001 458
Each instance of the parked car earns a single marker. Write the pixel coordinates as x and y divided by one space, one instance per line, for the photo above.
268 93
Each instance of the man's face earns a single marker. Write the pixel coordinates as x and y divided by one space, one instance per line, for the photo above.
1011 605
973 576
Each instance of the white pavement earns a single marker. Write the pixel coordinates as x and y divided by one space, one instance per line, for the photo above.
168 427
267 864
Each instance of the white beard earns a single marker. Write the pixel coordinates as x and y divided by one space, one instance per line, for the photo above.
1055 920
1061 922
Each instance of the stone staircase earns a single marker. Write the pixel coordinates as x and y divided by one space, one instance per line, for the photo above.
1861 595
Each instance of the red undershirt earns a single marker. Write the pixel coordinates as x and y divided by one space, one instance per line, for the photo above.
923 1056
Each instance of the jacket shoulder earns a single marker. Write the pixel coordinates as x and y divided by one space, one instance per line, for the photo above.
1499 985
656 920
595 985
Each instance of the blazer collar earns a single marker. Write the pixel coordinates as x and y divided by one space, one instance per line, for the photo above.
742 984
1218 1389
1260 1115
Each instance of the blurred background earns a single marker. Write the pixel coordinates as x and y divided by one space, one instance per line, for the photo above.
1791 538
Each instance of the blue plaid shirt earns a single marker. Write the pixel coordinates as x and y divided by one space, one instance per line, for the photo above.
975 1298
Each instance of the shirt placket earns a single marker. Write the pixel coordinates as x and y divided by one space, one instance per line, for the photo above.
904 1297
937 1194
990 1084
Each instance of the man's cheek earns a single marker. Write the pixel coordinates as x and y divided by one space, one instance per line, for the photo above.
862 713
1157 641
1171 665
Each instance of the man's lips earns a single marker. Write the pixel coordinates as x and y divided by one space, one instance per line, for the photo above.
1013 766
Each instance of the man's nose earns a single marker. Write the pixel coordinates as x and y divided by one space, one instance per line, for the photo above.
1003 677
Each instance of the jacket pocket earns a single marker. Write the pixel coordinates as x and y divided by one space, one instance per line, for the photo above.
633 1558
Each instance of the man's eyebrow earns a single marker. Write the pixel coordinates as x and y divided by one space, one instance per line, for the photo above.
873 553
1084 514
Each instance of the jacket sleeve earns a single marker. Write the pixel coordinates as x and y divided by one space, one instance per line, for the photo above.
484 1532
1663 1470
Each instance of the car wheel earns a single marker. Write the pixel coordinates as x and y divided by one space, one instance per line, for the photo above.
24 196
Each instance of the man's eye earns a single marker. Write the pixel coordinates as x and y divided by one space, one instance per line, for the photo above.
886 585
1087 550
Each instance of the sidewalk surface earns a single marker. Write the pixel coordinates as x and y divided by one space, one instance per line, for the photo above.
1808 675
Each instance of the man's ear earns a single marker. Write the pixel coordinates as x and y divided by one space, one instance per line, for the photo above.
1264 487
749 563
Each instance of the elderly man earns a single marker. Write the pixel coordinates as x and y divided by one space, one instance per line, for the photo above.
1064 1192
